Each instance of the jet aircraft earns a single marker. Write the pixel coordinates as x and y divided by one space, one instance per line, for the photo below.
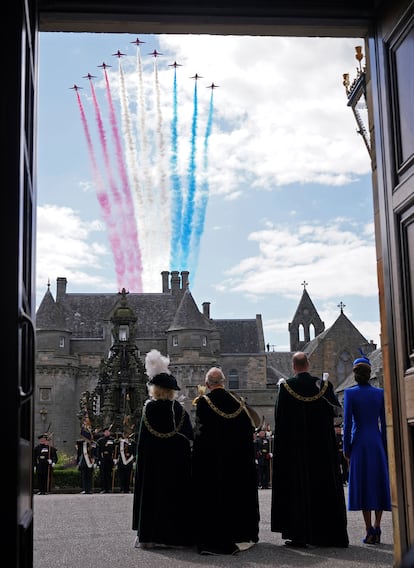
89 76
212 86
155 53
75 86
118 54
138 41
175 64
104 65
196 76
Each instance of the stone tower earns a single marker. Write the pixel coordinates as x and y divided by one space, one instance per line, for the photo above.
306 323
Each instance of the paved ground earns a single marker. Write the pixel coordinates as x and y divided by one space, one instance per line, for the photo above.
94 531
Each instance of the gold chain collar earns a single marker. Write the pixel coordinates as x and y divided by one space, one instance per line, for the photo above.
224 414
162 434
306 398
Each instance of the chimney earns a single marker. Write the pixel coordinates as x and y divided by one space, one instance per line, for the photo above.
206 309
184 279
60 288
175 282
165 288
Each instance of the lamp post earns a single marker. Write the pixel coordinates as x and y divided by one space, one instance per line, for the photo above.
357 99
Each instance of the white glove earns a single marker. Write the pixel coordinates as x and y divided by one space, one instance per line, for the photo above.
53 464
49 462
270 455
95 465
115 462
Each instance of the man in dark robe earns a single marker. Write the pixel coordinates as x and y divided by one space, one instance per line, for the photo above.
226 505
308 503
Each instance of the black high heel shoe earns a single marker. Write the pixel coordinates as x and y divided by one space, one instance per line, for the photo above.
371 536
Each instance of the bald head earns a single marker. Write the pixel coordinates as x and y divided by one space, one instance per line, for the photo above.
300 362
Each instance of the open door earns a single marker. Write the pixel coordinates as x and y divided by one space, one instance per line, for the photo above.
18 252
392 62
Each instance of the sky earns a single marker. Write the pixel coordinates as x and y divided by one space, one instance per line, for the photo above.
258 187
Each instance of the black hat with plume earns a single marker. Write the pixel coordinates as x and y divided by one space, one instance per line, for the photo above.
156 366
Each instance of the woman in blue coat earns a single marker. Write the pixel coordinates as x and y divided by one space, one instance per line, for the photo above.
365 446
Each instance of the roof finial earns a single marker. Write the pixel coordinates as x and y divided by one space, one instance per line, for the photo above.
342 306
304 284
48 283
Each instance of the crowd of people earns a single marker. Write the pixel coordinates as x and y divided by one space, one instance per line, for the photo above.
187 478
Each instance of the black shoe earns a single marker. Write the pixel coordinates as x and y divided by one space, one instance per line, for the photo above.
295 544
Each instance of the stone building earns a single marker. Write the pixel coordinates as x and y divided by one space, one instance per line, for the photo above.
77 336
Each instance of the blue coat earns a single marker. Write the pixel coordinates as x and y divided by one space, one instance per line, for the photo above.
365 442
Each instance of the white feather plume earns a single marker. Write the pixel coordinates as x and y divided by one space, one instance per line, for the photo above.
155 363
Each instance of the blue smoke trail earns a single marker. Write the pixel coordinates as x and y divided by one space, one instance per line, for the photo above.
177 197
200 213
189 208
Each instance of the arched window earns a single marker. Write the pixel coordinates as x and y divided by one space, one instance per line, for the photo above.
312 333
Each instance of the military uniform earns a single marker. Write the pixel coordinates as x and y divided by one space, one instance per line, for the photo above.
86 450
263 456
44 459
126 459
107 460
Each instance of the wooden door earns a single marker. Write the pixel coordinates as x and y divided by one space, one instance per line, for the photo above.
392 62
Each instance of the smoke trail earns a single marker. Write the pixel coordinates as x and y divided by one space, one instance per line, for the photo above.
104 202
113 186
131 159
162 234
177 197
145 227
189 205
133 249
143 138
202 201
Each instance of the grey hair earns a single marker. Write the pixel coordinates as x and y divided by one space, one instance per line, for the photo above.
215 376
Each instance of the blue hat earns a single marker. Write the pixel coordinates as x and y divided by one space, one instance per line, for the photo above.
362 359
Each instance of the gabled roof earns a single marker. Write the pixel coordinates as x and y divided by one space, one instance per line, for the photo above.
341 326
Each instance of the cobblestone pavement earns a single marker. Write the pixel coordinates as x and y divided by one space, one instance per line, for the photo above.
94 531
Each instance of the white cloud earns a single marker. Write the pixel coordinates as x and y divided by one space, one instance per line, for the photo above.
335 259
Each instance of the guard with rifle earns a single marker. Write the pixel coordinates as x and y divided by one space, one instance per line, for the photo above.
44 460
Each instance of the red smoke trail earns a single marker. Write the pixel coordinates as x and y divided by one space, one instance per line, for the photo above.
131 237
104 202
113 186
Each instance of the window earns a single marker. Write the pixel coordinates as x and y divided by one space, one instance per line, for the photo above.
233 379
45 394
204 341
61 342
123 332
175 340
